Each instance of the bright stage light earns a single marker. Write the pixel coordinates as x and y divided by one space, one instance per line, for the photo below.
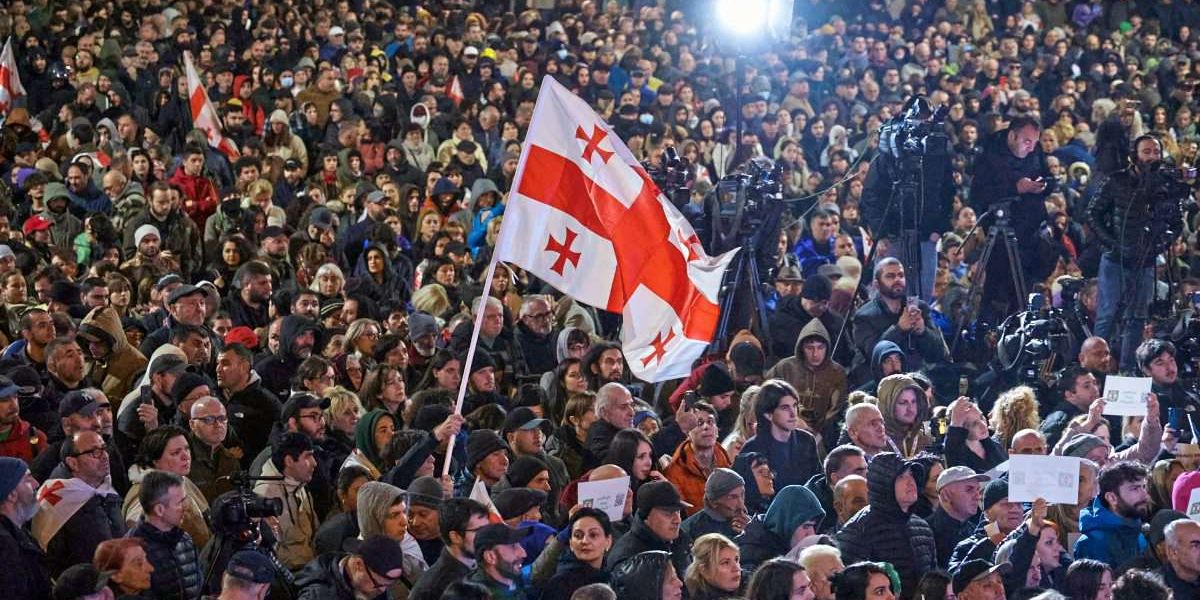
743 17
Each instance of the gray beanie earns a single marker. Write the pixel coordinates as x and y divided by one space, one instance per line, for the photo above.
721 482
1081 444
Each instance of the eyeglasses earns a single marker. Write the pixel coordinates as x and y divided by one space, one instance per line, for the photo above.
539 316
314 416
213 420
97 453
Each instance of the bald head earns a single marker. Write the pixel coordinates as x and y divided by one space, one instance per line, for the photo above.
113 179
205 406
849 496
606 472
1028 441
1094 354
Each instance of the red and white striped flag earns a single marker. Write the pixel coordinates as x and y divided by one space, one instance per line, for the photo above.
585 217
10 79
480 494
204 116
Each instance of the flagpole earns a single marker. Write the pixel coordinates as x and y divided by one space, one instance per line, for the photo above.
466 379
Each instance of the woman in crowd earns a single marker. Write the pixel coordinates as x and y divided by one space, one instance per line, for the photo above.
125 559
166 449
583 564
716 569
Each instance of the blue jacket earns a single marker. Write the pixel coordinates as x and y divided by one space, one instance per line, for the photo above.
1107 537
811 255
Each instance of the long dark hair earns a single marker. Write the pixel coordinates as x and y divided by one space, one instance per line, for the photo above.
623 451
933 586
852 583
1083 579
773 580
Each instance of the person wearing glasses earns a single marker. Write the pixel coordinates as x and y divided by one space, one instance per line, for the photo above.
536 336
212 460
458 519
80 510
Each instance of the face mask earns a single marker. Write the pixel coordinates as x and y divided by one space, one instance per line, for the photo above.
562 54
646 119
693 121
421 121
286 82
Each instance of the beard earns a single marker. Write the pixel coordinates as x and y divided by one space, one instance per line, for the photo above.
1141 510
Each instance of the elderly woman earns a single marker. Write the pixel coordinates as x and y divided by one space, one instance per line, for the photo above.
125 559
361 336
329 282
167 449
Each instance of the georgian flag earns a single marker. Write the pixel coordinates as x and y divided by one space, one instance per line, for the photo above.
59 500
204 116
10 79
584 216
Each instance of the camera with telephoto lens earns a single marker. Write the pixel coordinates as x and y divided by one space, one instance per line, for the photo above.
1029 338
249 506
909 134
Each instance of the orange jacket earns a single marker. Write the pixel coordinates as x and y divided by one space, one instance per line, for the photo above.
687 474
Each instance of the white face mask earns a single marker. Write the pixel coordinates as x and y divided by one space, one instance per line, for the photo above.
287 82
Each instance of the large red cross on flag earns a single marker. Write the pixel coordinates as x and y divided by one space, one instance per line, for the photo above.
204 116
10 79
584 216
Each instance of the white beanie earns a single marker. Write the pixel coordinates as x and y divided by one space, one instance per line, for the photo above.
144 231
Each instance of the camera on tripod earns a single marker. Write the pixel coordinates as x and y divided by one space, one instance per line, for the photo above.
1030 338
910 133
241 513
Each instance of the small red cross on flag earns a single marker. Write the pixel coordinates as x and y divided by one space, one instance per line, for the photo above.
49 493
563 249
631 251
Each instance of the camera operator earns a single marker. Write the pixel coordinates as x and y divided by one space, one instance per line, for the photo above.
887 214
1134 215
1013 166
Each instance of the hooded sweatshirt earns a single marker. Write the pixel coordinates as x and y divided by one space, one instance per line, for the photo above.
117 372
374 500
481 218
911 438
885 532
276 370
821 389
1107 536
364 453
770 534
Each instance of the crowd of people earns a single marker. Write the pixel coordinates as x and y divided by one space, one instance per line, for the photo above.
235 375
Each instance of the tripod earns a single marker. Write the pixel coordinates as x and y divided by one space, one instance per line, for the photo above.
1001 230
743 279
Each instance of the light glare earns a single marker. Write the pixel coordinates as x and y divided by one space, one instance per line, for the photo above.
742 17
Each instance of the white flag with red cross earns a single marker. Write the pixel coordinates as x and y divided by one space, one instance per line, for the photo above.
584 216
204 116
10 79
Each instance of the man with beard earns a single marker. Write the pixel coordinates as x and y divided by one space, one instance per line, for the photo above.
889 316
459 522
251 407
422 338
85 197
140 410
249 306
604 363
21 439
18 505
113 363
501 556
195 343
149 262
696 458
1111 527
178 237
297 336
64 225
37 330
1134 222
274 252
37 234
321 229
535 334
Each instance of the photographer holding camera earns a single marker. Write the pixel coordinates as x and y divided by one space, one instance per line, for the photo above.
1013 166
1135 215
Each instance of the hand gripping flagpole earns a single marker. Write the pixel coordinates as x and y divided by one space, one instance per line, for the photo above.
462 386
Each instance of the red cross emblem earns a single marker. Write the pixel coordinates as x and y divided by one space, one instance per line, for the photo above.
660 348
48 493
564 251
688 242
593 143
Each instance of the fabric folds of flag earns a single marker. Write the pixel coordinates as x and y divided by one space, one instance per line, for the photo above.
584 216
204 116
10 79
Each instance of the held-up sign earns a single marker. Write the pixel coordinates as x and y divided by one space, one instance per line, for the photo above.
1193 506
608 496
1053 478
1126 396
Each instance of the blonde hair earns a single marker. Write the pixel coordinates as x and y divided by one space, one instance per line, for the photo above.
341 401
706 553
1015 409
432 299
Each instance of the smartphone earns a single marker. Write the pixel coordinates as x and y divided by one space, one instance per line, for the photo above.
690 399
913 302
1174 418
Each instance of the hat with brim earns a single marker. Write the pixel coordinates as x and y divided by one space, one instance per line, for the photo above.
975 570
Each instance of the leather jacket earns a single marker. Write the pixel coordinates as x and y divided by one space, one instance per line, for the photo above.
1134 219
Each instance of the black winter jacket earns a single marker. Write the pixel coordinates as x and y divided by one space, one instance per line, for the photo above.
176 562
323 579
1132 219
98 520
25 577
884 532
641 539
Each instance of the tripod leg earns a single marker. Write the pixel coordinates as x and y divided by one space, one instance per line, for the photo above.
974 295
758 302
1014 263
727 302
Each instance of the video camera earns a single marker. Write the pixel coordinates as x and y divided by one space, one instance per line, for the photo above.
918 131
240 514
1029 338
